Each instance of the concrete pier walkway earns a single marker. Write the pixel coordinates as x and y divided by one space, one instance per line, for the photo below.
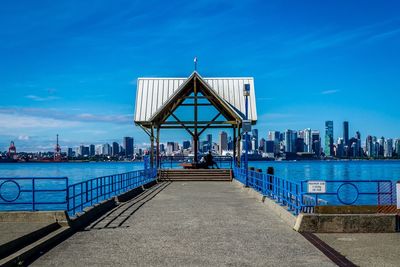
187 224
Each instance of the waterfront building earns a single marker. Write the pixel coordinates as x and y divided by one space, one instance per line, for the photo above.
346 133
162 148
290 141
128 146
254 133
368 146
316 143
98 149
388 148
186 144
381 149
115 149
170 148
70 153
261 147
397 147
92 151
340 148
307 140
329 138
299 144
223 142
106 150
275 136
209 142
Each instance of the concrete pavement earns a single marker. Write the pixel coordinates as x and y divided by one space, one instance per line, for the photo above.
187 224
365 249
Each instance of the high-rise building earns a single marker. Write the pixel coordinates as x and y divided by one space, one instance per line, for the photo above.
70 153
170 148
106 150
381 148
254 133
340 148
308 141
92 150
223 142
209 142
275 136
329 138
388 148
186 144
115 149
346 133
290 141
316 143
397 147
368 146
128 146
261 146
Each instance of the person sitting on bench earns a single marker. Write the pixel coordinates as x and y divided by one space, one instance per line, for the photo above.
210 161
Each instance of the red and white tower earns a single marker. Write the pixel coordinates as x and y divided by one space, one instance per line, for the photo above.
57 151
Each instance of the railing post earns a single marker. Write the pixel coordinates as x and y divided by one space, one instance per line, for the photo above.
67 193
33 194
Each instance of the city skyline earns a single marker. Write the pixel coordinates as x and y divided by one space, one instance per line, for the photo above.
71 67
328 144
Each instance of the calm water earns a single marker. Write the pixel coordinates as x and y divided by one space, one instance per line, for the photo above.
313 170
76 172
300 170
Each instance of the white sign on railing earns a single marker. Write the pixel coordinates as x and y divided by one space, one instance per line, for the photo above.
316 187
398 194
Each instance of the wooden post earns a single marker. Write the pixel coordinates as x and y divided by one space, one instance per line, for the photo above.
152 147
196 136
239 139
158 162
234 143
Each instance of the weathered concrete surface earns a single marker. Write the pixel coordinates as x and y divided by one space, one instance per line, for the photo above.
366 249
11 230
187 224
346 223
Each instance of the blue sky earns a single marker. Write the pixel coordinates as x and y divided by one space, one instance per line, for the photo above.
70 67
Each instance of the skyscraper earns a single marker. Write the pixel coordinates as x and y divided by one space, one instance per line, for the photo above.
275 136
223 142
115 149
186 144
290 141
128 146
329 138
388 148
346 133
209 141
316 143
307 140
254 133
92 150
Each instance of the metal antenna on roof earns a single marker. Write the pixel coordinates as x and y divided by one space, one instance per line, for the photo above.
195 63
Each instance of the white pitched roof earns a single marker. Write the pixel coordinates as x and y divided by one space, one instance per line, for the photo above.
152 93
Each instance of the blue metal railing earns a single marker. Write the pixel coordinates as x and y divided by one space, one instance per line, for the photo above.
33 193
294 194
90 192
353 192
283 191
54 193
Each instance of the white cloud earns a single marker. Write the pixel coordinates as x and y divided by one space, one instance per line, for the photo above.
330 92
23 137
15 122
39 98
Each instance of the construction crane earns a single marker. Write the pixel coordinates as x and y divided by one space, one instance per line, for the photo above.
57 151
